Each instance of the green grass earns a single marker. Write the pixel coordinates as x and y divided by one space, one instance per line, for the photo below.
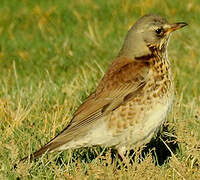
52 56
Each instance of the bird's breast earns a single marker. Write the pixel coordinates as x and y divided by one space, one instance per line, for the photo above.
137 120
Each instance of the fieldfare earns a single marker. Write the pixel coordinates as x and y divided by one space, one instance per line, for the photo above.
133 98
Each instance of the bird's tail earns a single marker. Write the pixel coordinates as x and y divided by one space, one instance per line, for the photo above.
47 148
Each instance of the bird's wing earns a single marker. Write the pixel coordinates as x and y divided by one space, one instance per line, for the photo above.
125 78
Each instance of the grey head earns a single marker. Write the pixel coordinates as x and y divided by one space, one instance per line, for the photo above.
149 31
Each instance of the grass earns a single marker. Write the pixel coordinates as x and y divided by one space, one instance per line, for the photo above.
52 56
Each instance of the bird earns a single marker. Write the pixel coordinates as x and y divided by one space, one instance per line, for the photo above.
132 99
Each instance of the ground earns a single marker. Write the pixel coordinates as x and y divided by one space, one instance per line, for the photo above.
52 56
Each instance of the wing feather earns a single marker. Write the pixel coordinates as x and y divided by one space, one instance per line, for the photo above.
124 77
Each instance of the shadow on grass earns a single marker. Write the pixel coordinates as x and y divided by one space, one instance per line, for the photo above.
161 152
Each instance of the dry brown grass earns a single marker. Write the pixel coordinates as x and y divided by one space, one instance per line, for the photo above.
52 56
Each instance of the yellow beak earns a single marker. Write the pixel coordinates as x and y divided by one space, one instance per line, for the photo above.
175 26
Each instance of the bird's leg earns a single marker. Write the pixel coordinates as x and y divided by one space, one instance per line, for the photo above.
123 153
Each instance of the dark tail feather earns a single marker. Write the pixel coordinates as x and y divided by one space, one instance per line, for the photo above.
45 149
49 147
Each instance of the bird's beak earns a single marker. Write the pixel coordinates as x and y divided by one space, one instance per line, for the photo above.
175 26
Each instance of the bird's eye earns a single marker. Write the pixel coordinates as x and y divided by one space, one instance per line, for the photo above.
158 31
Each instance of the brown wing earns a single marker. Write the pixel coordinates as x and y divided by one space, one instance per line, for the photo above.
124 79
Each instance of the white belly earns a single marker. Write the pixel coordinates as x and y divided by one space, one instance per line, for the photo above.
137 135
144 131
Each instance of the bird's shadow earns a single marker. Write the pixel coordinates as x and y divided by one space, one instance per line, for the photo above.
161 148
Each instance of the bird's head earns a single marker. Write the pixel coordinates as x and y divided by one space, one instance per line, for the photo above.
150 31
